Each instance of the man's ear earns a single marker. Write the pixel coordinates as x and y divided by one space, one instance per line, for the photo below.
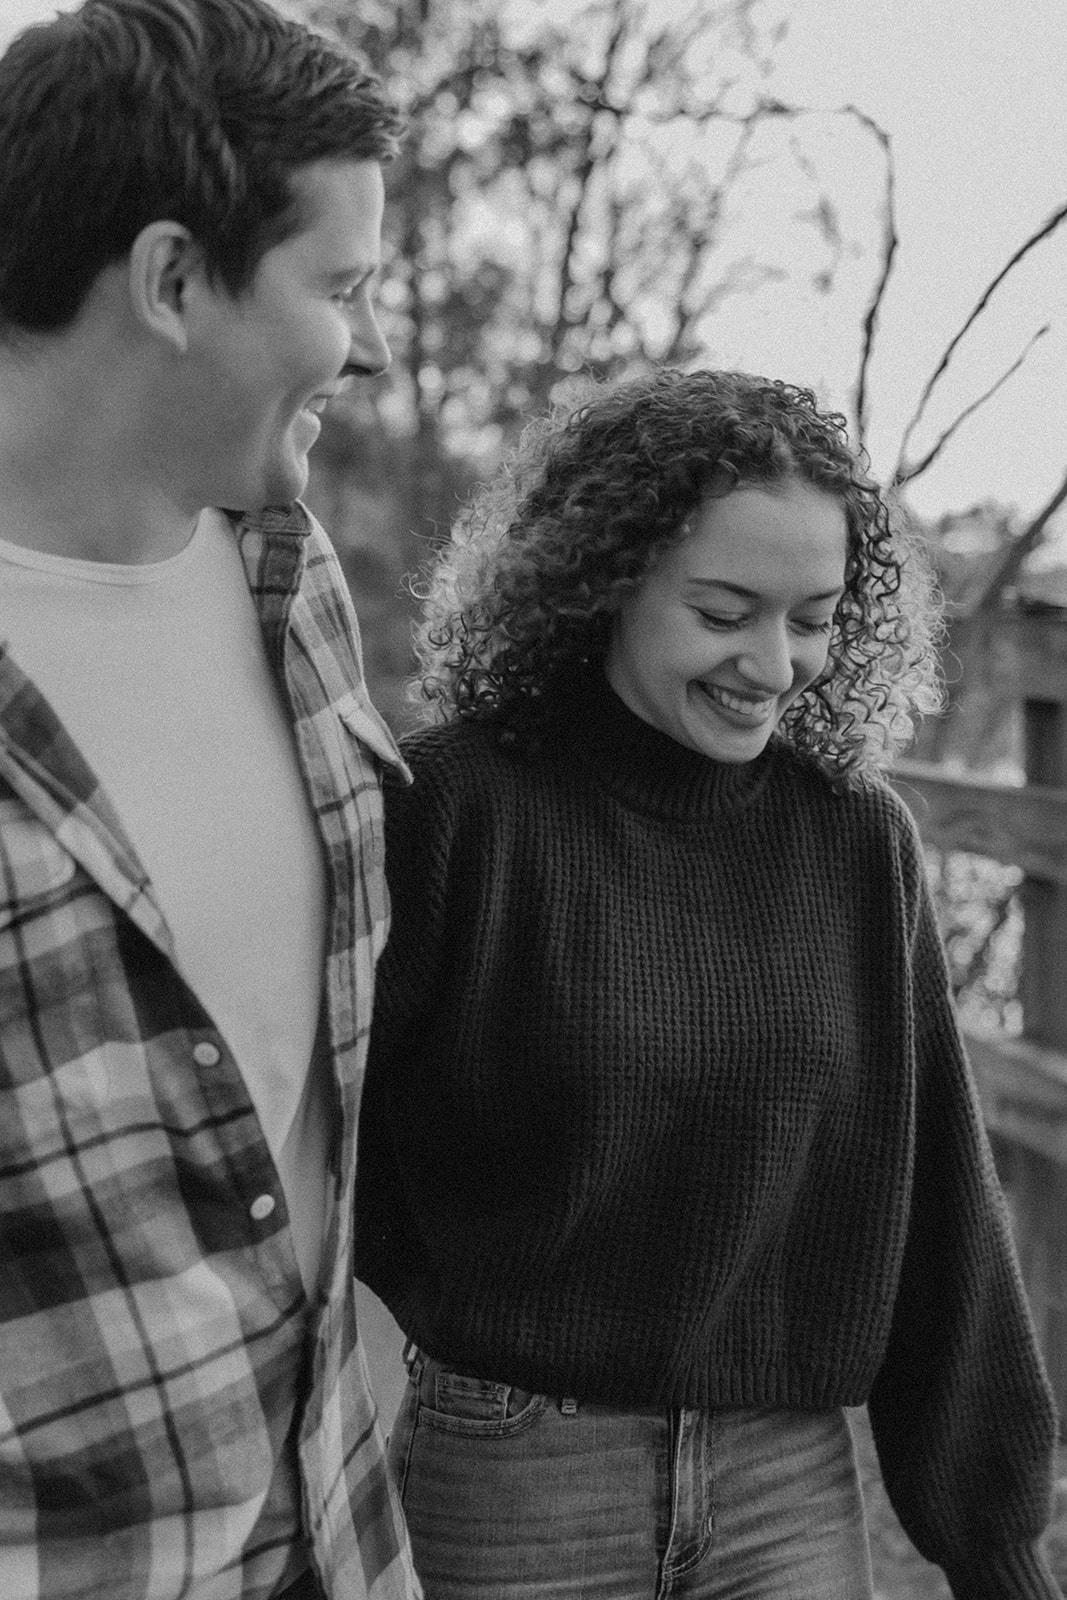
163 259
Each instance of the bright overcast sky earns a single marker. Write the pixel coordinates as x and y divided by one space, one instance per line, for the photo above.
974 96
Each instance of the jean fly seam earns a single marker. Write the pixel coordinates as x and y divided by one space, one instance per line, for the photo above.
690 1455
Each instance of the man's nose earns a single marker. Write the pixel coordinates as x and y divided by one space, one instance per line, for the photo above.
369 355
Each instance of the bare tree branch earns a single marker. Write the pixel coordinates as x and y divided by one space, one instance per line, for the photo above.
683 321
890 241
698 240
741 278
1047 227
1018 551
584 174
771 107
907 472
609 270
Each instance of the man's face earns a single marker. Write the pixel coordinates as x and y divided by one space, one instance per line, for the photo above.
268 360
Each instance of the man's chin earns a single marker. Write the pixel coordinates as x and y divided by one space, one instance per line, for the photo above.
282 488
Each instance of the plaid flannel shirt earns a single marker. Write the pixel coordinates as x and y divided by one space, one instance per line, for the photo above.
158 1356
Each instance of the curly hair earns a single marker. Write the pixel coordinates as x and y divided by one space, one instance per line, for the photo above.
544 556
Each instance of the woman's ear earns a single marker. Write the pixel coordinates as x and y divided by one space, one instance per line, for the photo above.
162 260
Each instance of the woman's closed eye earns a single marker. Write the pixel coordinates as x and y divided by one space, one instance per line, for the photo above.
724 623
715 619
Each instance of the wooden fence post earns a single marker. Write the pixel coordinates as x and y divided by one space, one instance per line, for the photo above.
1023 1081
1038 1186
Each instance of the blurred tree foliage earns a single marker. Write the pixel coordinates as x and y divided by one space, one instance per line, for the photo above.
561 205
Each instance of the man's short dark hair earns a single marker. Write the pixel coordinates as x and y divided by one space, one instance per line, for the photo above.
127 112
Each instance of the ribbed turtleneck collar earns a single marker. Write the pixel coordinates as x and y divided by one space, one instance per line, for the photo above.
646 769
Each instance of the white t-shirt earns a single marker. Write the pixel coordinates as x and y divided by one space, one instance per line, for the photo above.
159 674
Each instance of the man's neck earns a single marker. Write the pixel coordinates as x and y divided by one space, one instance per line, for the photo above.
81 472
72 516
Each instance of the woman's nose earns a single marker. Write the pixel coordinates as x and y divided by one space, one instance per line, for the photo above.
767 663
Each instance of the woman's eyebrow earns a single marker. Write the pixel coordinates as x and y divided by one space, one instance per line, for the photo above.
751 594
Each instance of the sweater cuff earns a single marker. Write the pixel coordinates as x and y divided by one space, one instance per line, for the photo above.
1017 1572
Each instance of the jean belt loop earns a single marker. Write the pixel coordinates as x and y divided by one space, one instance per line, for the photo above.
414 1360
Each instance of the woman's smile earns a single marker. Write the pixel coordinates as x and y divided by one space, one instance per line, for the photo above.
752 710
746 595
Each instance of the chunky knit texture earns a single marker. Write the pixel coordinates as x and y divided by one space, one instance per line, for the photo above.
667 1106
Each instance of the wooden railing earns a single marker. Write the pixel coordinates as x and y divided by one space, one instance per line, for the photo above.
1023 1080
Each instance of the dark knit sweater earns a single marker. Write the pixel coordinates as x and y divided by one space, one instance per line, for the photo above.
666 1106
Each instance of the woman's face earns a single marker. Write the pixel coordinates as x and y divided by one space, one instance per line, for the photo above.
733 621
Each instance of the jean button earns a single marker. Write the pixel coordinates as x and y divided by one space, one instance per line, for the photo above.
261 1207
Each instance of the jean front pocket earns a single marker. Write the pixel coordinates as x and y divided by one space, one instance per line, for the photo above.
455 1402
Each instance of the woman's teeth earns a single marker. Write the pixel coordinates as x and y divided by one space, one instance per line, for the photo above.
733 702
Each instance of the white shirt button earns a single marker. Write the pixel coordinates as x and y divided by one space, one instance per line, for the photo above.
261 1207
206 1054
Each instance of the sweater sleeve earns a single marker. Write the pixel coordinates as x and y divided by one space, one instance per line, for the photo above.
417 852
961 1410
418 840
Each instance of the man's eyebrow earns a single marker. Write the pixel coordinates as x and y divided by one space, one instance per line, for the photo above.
358 272
751 594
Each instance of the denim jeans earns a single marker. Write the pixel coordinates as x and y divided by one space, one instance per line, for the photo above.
515 1496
